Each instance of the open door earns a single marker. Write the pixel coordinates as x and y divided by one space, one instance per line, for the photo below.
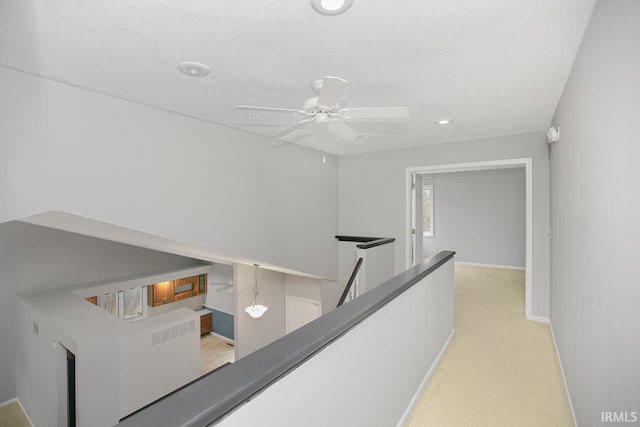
416 218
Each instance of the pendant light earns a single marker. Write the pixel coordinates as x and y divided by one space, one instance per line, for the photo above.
256 309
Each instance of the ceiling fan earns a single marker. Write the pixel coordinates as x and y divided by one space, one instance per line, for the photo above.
323 112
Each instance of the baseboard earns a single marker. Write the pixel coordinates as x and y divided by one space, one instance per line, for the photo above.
423 383
15 399
223 338
540 319
564 379
505 267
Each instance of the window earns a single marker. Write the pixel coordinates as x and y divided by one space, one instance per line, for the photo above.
131 303
109 302
127 304
427 210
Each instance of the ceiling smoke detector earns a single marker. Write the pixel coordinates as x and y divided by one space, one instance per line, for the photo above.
331 7
194 69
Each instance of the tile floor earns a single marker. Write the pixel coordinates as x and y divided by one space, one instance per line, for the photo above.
214 352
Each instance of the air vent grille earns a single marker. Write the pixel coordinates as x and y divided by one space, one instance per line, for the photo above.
170 333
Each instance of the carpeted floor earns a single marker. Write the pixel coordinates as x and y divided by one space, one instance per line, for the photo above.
11 415
499 369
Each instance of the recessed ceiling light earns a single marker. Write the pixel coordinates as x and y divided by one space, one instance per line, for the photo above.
331 7
194 69
444 121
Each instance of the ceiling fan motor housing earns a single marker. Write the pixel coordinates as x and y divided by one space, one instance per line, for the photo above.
310 104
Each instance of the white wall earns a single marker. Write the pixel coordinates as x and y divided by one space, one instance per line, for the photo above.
148 372
303 287
331 291
357 381
34 258
251 334
480 215
324 291
193 303
595 215
37 368
88 332
223 301
372 193
378 266
210 186
118 367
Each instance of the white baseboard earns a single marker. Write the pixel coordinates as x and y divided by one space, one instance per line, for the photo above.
423 383
540 319
564 379
15 399
475 264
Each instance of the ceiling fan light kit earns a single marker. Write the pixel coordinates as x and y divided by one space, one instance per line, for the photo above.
331 7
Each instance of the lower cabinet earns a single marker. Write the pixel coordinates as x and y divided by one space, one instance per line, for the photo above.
206 323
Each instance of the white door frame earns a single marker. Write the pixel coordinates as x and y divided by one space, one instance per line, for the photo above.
525 162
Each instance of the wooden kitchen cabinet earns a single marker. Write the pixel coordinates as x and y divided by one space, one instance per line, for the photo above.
186 287
160 293
206 323
176 290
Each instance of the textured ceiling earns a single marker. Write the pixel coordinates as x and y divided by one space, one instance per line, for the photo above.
496 67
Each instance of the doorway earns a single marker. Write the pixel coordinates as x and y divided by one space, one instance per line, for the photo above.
66 373
414 250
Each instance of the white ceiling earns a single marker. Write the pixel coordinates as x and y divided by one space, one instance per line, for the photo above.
496 67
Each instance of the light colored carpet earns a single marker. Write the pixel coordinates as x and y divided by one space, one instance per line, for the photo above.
214 352
11 415
499 369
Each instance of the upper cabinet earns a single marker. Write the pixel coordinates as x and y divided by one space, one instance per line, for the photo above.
160 293
185 288
176 290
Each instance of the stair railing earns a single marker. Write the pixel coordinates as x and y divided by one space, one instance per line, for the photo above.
352 279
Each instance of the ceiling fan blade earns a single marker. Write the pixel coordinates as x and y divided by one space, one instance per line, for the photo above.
331 91
387 127
375 113
291 128
269 109
343 130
